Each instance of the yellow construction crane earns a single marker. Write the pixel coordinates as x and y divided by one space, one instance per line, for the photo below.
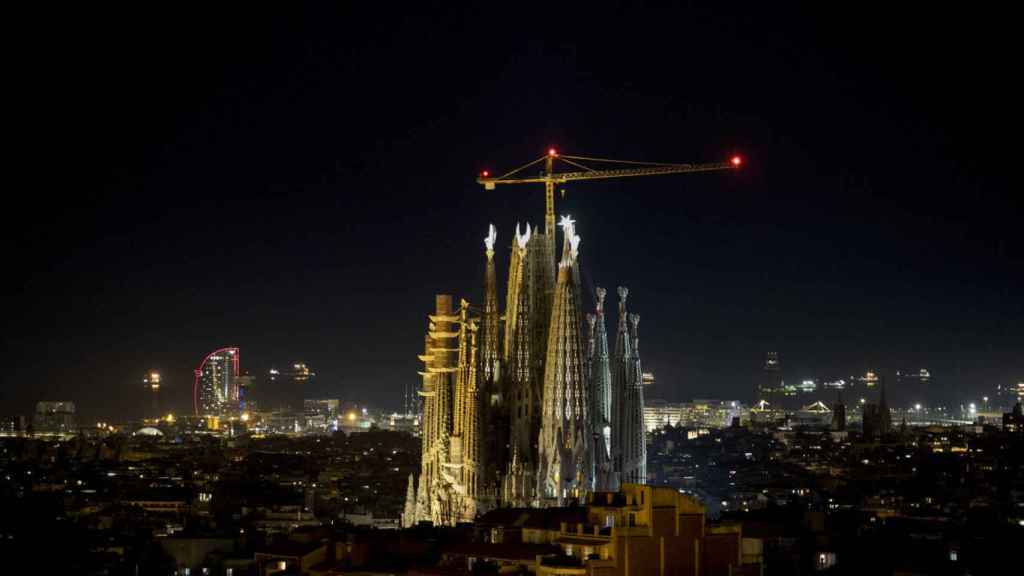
612 169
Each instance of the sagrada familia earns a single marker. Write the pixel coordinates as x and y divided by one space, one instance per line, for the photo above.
527 406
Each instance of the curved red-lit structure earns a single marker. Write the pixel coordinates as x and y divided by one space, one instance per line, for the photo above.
215 387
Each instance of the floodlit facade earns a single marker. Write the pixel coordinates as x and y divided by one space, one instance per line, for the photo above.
215 390
526 406
565 469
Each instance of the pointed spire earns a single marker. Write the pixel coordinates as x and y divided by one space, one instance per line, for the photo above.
571 245
565 438
409 513
488 241
623 294
622 343
522 239
629 456
634 321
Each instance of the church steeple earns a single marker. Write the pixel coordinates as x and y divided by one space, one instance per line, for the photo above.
490 359
629 451
564 436
600 380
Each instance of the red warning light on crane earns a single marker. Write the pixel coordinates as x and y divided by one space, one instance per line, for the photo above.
485 173
736 161
552 152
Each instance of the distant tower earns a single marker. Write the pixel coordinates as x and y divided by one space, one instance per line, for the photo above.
152 384
564 434
600 395
770 384
839 414
629 450
884 416
215 388
245 400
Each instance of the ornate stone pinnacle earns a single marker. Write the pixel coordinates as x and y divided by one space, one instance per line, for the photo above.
574 246
600 293
492 235
634 319
522 239
623 292
592 320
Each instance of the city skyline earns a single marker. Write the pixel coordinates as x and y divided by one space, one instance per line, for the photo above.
846 243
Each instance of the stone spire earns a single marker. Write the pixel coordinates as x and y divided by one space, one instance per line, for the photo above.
600 389
493 409
629 451
518 280
564 436
409 513
449 479
522 383
490 359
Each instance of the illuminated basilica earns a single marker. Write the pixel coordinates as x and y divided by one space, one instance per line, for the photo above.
527 406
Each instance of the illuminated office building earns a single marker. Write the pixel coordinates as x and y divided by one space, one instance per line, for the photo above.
215 390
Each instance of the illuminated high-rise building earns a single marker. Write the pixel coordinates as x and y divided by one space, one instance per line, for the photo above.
152 387
215 389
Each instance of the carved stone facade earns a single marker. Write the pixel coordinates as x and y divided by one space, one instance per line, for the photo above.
539 413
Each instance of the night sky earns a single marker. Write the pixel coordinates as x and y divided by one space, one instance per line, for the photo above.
300 184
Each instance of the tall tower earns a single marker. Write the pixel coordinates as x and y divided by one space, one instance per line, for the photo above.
770 383
491 360
493 404
629 450
839 414
215 390
465 436
449 482
600 379
522 383
152 384
884 416
564 434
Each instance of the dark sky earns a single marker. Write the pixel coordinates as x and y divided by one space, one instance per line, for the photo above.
301 183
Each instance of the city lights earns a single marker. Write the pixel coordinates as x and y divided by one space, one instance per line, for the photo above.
440 376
